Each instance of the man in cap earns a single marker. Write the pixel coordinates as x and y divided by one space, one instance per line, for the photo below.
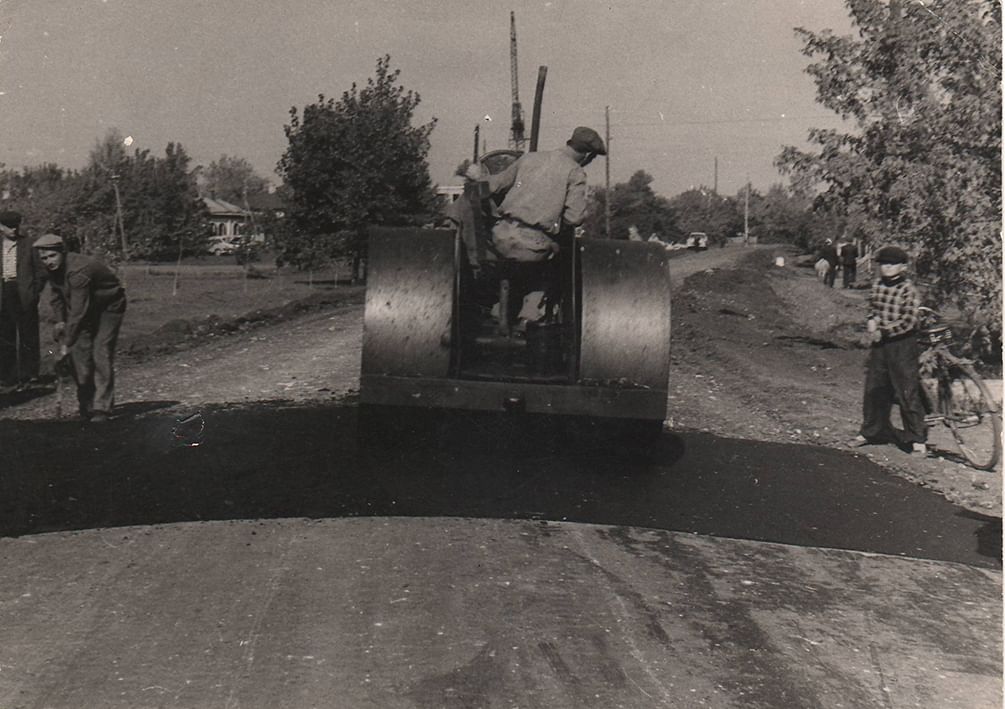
89 301
22 281
892 368
543 200
849 263
544 192
828 252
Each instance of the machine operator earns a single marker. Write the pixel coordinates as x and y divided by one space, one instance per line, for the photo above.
544 192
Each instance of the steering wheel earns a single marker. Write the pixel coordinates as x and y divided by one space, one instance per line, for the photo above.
495 161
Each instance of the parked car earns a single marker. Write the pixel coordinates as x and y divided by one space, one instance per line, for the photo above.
222 246
697 240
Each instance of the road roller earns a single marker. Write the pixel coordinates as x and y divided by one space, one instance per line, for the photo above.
586 333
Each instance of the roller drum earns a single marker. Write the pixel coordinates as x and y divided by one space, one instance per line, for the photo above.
409 302
625 325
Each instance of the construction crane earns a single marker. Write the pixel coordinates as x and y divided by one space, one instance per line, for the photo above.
516 140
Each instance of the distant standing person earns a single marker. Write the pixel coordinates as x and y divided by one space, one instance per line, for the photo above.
849 264
892 368
829 254
23 279
89 301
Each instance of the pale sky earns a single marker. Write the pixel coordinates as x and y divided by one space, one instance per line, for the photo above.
687 81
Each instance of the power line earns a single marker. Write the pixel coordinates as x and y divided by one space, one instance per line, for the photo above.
708 121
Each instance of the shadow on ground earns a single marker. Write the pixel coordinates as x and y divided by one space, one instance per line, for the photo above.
271 461
15 397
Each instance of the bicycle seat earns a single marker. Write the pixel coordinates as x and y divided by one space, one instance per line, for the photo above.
938 334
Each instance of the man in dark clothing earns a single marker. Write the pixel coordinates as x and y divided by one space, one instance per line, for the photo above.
830 255
849 264
892 368
23 279
90 303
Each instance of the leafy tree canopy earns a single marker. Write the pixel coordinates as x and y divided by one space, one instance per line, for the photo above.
355 162
232 179
161 210
921 84
703 209
633 203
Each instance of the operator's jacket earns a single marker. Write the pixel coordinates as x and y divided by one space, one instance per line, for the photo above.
544 192
84 288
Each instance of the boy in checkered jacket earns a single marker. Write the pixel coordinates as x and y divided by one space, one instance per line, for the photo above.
892 367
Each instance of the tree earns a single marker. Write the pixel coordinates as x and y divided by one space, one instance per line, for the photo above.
353 163
633 203
45 195
702 209
783 216
182 215
100 201
231 179
160 207
922 84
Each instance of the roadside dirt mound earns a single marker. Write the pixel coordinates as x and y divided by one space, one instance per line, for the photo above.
769 353
732 328
181 334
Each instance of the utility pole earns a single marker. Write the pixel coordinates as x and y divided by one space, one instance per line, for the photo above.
715 177
118 216
477 131
121 225
607 172
746 214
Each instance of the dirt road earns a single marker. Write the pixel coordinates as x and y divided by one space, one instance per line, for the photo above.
315 357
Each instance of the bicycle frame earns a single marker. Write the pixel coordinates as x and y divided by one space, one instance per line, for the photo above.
956 396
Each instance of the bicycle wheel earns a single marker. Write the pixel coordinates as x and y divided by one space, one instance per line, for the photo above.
973 417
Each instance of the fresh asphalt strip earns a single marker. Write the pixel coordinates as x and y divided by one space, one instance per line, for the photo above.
266 462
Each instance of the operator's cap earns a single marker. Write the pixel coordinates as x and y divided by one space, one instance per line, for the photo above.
586 140
891 254
11 220
50 242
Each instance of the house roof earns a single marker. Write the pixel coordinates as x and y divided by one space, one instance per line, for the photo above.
220 208
265 200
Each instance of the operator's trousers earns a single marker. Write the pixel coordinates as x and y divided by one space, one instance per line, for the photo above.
94 358
521 242
892 377
19 342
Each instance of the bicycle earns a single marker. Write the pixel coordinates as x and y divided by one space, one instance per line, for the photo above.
956 396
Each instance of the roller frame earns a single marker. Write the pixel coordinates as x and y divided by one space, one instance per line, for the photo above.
623 299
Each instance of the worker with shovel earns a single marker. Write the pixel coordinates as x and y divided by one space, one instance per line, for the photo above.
89 301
